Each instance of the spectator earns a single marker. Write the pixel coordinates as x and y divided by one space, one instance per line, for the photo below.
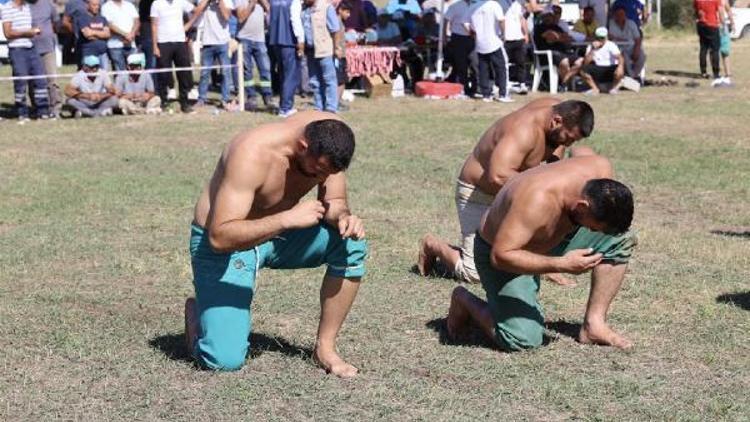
387 30
170 46
634 10
90 92
24 58
516 40
252 21
145 39
625 32
72 9
45 17
726 43
124 24
548 35
599 9
587 25
461 44
709 17
93 33
603 64
321 26
487 22
215 47
371 13
286 40
343 11
405 13
358 20
135 89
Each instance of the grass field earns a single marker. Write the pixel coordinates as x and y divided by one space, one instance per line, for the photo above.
94 271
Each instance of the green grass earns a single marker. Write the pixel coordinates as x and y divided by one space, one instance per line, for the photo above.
94 271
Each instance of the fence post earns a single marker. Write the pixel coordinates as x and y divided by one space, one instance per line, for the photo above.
241 76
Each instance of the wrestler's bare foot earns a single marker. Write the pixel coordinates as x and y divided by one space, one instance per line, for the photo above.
425 261
332 363
600 333
457 318
560 280
191 324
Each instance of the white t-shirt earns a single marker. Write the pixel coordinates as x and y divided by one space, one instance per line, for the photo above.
122 15
215 27
607 55
457 15
170 27
253 28
485 21
513 18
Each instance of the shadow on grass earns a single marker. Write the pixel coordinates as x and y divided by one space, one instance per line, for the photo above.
8 111
732 233
679 73
173 346
564 328
738 299
475 337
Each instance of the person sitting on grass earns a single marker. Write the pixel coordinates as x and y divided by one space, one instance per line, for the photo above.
90 92
135 89
603 64
626 33
568 216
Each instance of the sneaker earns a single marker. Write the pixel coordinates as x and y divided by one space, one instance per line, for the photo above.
78 114
153 111
591 93
187 109
705 75
505 99
22 120
285 114
523 89
487 99
268 101
106 112
726 81
716 83
477 95
251 105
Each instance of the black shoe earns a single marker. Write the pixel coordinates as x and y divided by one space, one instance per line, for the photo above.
267 101
251 105
187 109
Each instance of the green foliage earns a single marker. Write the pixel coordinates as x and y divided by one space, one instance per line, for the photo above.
677 14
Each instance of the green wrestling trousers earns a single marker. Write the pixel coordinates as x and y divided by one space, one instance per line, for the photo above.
225 282
513 298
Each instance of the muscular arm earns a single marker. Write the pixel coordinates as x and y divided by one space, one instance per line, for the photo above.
332 193
521 223
507 159
228 226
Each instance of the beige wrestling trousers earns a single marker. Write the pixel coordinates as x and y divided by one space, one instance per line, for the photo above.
471 204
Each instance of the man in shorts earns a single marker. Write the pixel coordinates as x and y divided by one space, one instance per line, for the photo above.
603 64
250 216
531 135
568 217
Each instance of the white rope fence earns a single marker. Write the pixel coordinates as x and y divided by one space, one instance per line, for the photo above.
240 74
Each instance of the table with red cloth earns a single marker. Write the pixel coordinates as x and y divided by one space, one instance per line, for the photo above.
371 61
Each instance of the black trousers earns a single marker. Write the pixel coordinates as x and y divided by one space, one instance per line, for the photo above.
460 47
516 51
174 53
495 62
710 42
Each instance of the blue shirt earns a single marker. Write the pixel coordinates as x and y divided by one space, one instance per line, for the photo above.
332 22
410 6
95 46
632 8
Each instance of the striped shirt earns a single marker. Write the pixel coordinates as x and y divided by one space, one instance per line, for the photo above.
20 20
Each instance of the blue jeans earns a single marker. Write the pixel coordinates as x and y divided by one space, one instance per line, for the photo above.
286 57
323 82
27 62
209 55
256 51
119 57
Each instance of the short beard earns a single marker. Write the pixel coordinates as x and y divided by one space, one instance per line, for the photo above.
302 171
552 138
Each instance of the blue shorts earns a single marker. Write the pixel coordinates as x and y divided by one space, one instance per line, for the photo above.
225 283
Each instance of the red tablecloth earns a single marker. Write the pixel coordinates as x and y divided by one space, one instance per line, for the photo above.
370 61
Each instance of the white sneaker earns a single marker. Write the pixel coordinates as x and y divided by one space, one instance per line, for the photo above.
23 120
591 93
717 82
523 89
487 99
505 99
285 114
106 112
727 81
614 91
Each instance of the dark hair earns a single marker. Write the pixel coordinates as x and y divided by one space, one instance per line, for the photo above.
576 113
344 5
588 9
333 139
618 7
610 203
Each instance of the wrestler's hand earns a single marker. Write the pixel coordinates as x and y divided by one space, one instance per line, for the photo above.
350 226
579 261
304 214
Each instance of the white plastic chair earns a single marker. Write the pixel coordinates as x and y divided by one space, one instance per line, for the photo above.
539 68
